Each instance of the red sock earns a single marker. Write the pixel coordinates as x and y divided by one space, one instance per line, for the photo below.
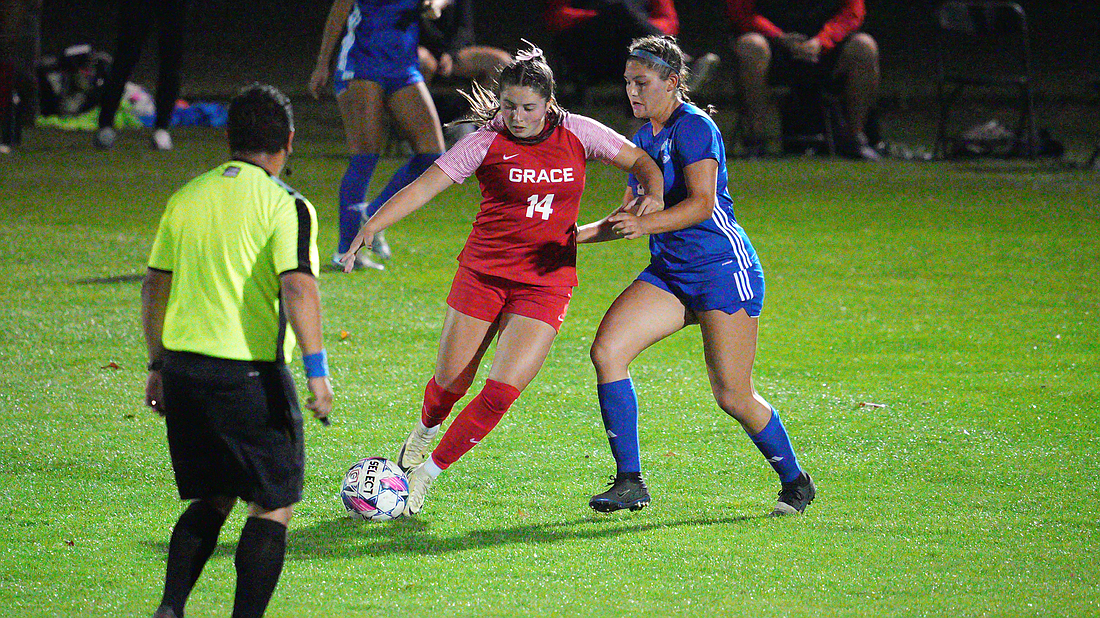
437 404
475 422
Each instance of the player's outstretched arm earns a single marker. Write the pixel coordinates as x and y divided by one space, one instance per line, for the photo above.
337 15
402 204
302 303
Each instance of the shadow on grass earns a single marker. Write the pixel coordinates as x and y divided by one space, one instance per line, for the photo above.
347 538
111 279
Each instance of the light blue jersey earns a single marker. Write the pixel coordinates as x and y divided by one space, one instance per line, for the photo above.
380 45
690 136
712 264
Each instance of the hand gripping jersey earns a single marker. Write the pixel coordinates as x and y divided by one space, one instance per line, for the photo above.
526 230
690 136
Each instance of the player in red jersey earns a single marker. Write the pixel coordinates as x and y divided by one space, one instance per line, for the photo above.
517 270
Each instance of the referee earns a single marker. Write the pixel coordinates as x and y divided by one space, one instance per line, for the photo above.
235 260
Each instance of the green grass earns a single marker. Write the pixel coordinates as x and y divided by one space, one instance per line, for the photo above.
962 298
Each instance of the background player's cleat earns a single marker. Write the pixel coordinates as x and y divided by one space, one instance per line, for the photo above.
104 138
161 140
628 491
416 447
362 260
380 247
419 484
164 612
795 496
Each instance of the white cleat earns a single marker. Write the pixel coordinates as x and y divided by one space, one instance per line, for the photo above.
361 261
416 447
161 140
420 481
104 138
380 247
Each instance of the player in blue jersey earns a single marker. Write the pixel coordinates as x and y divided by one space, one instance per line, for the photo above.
703 270
377 67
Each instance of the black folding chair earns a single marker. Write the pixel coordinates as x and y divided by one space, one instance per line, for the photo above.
985 44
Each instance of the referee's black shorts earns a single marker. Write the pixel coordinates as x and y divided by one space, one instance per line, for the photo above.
234 429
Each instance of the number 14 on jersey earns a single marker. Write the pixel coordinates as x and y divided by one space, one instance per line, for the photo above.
541 206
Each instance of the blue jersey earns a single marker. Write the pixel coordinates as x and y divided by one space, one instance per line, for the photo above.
381 38
718 243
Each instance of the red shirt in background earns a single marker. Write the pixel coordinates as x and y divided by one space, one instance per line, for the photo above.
561 15
847 20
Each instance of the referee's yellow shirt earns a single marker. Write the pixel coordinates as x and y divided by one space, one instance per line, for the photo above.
226 236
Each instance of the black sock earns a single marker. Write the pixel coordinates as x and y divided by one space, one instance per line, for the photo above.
193 540
259 561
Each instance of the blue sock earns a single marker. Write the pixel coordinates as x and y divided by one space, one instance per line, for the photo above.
353 191
774 443
619 408
403 176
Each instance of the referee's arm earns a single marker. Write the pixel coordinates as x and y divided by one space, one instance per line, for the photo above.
154 299
302 303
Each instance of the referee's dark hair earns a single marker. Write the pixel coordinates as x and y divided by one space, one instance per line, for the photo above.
260 119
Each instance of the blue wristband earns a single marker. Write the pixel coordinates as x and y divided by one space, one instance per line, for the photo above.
316 364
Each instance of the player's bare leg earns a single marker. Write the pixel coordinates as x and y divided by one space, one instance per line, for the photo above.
729 347
641 316
361 105
522 346
461 347
416 119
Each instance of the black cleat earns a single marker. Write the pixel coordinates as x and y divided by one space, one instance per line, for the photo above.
795 496
628 491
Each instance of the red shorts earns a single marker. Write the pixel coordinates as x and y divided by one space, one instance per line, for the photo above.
486 297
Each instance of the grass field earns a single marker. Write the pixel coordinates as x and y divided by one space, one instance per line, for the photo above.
962 299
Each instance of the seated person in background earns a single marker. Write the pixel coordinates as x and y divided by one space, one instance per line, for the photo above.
592 36
447 47
800 42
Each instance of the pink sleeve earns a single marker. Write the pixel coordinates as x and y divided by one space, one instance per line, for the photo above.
463 159
599 141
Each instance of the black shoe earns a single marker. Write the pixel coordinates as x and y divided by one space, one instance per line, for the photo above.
795 496
164 611
628 491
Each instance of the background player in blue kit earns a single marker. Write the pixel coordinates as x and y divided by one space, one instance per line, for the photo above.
703 269
377 66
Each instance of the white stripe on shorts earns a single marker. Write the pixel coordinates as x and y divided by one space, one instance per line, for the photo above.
349 39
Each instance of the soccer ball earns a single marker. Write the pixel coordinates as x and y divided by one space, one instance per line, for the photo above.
374 489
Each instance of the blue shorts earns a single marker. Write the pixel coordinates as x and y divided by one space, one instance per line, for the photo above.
390 77
726 288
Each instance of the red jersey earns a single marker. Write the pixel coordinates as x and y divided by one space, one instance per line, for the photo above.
526 230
